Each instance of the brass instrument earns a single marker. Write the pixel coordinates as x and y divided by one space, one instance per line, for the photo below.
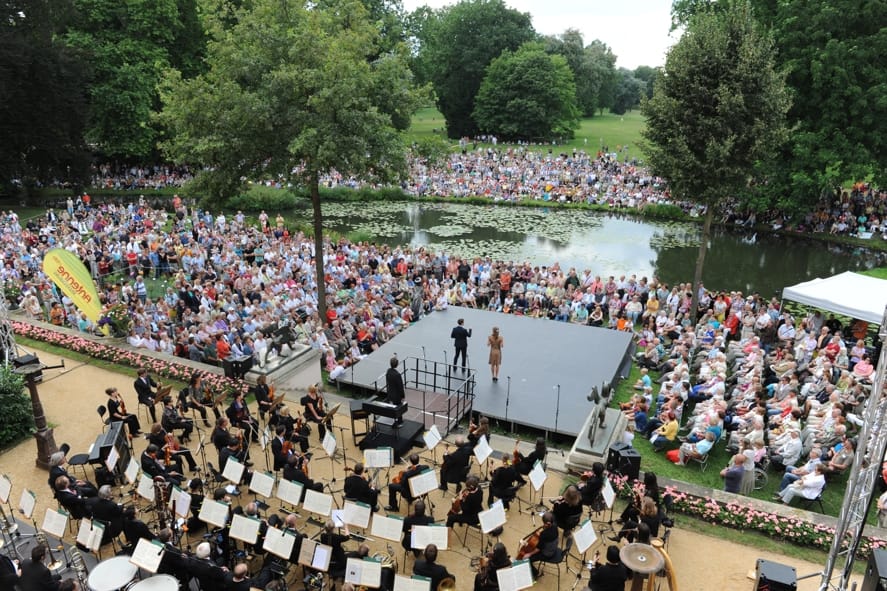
79 568
161 502
669 567
8 524
387 558
55 566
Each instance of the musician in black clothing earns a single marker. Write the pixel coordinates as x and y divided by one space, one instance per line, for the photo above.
502 484
279 451
296 430
486 579
172 420
455 465
221 434
110 513
202 567
357 488
428 567
195 489
233 450
35 574
525 466
403 485
57 463
472 501
610 576
417 518
394 383
201 399
134 529
68 497
240 417
117 412
337 555
314 409
153 468
145 389
460 336
547 549
567 511
294 471
173 562
263 396
161 439
591 490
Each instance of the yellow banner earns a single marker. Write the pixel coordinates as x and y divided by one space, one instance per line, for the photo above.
73 278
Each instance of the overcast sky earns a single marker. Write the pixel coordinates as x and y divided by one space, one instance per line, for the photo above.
636 30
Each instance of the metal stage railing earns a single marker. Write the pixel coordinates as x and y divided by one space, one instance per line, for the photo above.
431 378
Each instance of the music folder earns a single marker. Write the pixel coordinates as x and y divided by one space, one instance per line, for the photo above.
147 555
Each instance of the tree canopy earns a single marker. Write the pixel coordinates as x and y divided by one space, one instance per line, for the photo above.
528 94
594 69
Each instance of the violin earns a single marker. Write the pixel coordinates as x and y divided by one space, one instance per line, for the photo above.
529 545
516 455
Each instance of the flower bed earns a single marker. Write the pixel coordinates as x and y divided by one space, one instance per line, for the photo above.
748 517
97 350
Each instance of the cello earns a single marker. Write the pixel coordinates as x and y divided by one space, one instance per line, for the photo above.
529 545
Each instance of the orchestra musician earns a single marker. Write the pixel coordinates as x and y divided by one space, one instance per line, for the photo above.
117 412
252 511
281 448
145 389
201 566
35 575
57 463
167 441
134 529
456 464
401 483
221 434
481 429
195 489
109 512
525 464
295 471
296 430
567 510
610 576
546 548
486 579
502 484
428 567
417 518
152 467
315 410
264 397
358 488
468 504
201 399
337 555
591 489
172 420
235 449
73 502
173 562
394 383
240 417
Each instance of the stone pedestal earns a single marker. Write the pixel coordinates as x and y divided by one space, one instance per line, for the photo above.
584 453
45 447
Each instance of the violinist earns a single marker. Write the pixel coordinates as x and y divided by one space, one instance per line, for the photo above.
167 442
591 489
145 389
486 579
454 469
239 415
502 484
468 504
195 489
264 397
281 447
417 518
221 434
295 470
235 450
567 509
296 430
357 488
546 547
172 420
117 412
481 429
525 463
201 399
314 409
401 483
153 468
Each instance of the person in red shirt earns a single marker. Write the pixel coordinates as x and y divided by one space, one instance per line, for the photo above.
223 349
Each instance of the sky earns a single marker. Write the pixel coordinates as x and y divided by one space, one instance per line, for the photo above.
636 30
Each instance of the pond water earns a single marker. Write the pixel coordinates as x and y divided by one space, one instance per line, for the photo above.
607 244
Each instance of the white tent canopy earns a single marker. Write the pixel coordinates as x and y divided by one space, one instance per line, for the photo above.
850 294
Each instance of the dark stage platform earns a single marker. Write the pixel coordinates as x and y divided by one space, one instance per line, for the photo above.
400 440
538 355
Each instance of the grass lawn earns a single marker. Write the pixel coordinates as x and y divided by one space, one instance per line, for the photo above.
880 272
613 131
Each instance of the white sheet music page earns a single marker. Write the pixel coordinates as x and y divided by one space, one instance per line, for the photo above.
515 578
423 483
279 543
366 572
382 457
329 443
262 483
432 437
492 517
111 460
422 535
585 536
90 534
146 488
183 504
357 514
290 492
245 529
214 512
147 555
538 476
482 450
233 471
387 527
317 502
55 522
414 583
26 503
608 493
132 471
5 488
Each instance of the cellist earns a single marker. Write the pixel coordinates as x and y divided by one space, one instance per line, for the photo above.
542 546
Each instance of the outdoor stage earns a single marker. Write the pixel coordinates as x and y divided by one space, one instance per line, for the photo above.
540 359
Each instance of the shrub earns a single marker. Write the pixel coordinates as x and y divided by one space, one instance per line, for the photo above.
259 197
663 212
18 416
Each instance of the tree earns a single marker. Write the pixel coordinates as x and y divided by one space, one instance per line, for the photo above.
292 91
647 76
458 44
602 66
627 94
570 45
718 108
528 94
43 102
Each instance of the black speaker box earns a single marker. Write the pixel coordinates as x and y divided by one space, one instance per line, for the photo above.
772 576
876 572
624 459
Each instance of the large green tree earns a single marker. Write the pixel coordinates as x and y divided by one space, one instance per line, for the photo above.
628 91
528 94
717 110
457 44
569 44
292 92
602 71
43 101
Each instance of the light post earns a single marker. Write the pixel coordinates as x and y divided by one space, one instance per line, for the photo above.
44 436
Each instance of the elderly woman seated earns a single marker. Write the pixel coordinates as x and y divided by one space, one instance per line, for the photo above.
696 451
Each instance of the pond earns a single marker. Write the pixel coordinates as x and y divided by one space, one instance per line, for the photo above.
608 244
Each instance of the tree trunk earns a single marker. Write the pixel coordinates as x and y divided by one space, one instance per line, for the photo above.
314 188
700 260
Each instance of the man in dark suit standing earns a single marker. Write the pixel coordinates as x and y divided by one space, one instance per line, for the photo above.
429 567
35 576
394 384
460 336
144 387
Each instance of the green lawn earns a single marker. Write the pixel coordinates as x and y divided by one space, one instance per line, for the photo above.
880 272
613 131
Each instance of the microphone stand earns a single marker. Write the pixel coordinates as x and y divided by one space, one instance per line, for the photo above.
507 400
557 408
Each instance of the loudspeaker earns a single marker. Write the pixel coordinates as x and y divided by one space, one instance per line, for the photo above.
624 459
876 572
772 576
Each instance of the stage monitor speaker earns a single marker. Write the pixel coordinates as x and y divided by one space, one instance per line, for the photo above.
772 576
876 572
624 459
24 360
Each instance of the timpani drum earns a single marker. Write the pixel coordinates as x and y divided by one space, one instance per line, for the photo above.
157 583
112 574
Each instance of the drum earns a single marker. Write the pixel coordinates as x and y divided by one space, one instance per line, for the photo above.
157 583
111 574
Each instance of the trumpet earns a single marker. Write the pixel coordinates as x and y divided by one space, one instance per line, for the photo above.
79 568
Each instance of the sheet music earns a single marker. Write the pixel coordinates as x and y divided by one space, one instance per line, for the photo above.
26 503
482 450
414 583
111 460
538 476
338 517
55 522
388 527
279 543
382 457
585 536
608 493
290 492
423 483
214 512
432 437
183 504
147 555
132 471
366 572
329 443
146 487
357 514
422 535
317 502
5 488
492 517
515 578
315 555
262 483
90 534
233 471
245 529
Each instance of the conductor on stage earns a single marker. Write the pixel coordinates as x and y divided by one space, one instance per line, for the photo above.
460 336
394 383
